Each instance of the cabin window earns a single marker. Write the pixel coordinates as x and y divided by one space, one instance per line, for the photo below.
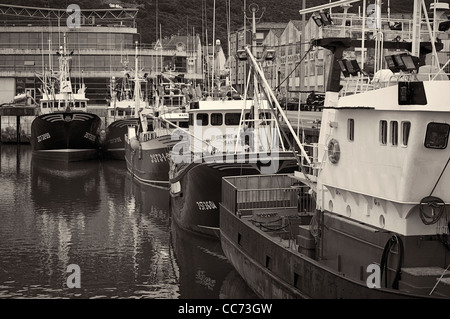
351 129
77 104
437 135
82 104
383 132
216 119
120 113
232 118
406 127
394 133
264 116
183 124
191 119
202 118
112 112
44 105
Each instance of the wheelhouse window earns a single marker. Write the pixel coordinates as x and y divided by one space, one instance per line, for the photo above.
232 118
437 135
394 133
216 119
264 116
44 105
351 129
183 124
383 132
406 127
202 118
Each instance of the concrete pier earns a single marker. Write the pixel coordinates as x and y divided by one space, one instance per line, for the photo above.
18 112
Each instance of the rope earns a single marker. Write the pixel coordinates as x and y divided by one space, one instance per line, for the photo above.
385 256
432 290
272 229
296 66
434 203
443 170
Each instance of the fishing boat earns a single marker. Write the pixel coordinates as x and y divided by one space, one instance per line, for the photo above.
226 137
64 129
368 218
124 108
148 146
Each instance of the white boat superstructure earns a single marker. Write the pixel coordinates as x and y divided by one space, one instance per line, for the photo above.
58 94
383 154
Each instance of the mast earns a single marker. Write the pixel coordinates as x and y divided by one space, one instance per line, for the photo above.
417 14
64 76
254 8
137 83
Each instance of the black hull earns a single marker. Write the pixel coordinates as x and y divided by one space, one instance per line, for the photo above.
149 163
68 137
196 191
114 145
274 271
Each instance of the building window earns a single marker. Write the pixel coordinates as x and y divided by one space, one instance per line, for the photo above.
406 127
351 129
383 132
437 135
394 133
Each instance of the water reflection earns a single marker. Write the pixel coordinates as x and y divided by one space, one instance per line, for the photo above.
205 272
95 215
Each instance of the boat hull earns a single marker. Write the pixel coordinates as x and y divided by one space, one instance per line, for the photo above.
196 191
149 161
69 136
114 146
274 271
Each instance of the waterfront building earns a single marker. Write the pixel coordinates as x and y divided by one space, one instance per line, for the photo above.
242 37
291 41
103 45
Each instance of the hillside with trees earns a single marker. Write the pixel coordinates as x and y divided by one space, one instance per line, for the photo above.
181 17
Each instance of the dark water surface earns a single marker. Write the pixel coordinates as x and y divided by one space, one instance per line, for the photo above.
118 231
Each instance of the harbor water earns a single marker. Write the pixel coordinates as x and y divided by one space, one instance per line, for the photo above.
89 230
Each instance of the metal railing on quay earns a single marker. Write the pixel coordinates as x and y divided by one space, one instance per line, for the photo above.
261 192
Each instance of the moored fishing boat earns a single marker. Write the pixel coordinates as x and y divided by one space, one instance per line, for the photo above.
147 153
124 109
64 129
226 137
378 225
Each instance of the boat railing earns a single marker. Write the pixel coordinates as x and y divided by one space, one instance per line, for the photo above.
244 194
147 136
362 83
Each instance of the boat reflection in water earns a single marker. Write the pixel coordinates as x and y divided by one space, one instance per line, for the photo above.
95 215
90 214
204 271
